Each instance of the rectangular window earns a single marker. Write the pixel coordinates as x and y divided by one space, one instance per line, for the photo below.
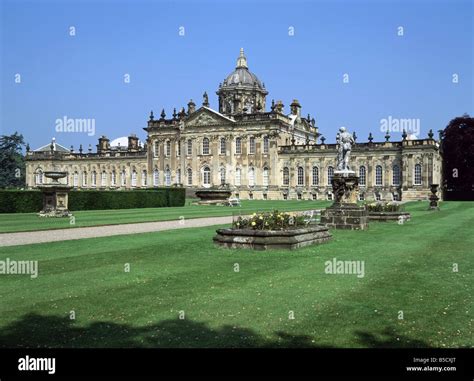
238 146
223 147
252 145
190 147
265 144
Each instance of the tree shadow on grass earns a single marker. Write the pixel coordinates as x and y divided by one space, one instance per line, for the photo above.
40 331
389 338
49 331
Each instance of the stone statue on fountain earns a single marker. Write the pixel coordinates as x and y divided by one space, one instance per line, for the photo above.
344 141
345 213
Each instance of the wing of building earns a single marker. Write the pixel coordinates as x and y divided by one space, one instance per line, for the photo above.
259 154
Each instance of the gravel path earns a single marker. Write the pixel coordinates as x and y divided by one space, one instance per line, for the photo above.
26 238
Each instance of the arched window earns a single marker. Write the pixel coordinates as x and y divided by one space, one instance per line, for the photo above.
238 146
156 177
251 145
75 179
417 174
156 150
190 176
168 148
238 177
265 176
396 175
251 176
330 175
205 146
300 176
134 178
266 144
378 175
315 176
123 179
84 178
167 177
222 174
178 176
286 176
113 178
144 178
362 176
39 176
94 178
222 147
190 147
103 179
206 176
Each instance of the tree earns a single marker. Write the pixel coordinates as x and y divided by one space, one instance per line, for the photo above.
457 148
12 161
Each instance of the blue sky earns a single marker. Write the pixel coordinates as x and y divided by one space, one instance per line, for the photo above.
82 76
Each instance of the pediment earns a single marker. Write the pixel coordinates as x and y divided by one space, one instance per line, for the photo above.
205 117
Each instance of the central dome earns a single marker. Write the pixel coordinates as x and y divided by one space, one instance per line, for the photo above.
242 76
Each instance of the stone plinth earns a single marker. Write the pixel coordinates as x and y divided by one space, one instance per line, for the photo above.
345 216
55 201
345 213
272 239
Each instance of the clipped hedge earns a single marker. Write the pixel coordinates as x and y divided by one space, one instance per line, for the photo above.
18 201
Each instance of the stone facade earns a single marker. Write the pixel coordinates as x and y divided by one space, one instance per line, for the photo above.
260 154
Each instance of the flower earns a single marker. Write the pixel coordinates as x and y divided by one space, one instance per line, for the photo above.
253 223
260 218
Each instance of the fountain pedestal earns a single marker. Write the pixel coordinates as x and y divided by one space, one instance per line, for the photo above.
55 196
344 213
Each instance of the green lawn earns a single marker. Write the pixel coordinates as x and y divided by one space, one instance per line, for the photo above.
408 268
15 222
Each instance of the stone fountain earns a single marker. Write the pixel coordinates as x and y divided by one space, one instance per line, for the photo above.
55 196
344 213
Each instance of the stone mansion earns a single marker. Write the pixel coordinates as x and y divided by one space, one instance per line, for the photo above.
260 154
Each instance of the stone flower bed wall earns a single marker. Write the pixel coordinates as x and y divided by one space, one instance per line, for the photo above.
381 211
388 216
272 239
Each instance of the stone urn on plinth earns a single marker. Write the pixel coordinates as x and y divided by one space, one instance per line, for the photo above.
55 196
344 213
434 197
